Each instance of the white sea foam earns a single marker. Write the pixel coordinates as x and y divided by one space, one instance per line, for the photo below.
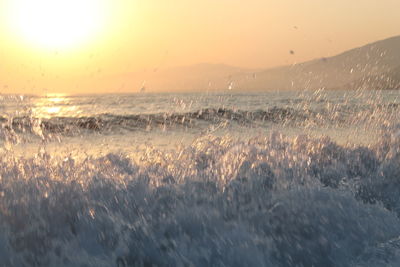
267 201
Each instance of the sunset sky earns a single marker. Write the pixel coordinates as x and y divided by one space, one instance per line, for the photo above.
70 46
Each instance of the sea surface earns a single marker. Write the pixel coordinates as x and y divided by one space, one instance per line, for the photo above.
284 178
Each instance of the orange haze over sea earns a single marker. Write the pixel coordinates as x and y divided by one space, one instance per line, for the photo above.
126 37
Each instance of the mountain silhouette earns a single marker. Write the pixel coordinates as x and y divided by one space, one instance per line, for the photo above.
372 66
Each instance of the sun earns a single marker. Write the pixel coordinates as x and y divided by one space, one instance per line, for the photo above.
56 24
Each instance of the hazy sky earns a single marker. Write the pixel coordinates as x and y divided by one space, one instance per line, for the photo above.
147 34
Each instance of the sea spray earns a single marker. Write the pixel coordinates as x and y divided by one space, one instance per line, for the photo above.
268 201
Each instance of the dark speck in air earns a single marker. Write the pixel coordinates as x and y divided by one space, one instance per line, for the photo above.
291 52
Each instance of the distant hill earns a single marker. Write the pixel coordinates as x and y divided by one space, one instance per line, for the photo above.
199 77
370 62
373 66
383 81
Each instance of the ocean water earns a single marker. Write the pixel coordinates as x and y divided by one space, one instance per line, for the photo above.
286 178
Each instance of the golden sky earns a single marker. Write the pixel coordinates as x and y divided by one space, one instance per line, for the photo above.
70 46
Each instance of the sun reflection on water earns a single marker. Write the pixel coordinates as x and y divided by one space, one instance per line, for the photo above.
53 106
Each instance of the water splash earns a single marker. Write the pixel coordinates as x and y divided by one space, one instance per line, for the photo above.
268 201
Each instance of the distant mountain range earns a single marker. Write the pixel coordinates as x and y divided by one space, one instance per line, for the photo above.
373 66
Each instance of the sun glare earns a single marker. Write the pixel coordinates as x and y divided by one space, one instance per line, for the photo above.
57 24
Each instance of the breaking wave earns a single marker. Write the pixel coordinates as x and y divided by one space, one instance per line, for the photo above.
113 123
267 201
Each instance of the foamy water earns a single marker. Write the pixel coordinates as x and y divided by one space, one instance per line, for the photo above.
272 179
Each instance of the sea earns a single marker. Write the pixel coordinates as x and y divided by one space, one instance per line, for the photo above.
280 178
